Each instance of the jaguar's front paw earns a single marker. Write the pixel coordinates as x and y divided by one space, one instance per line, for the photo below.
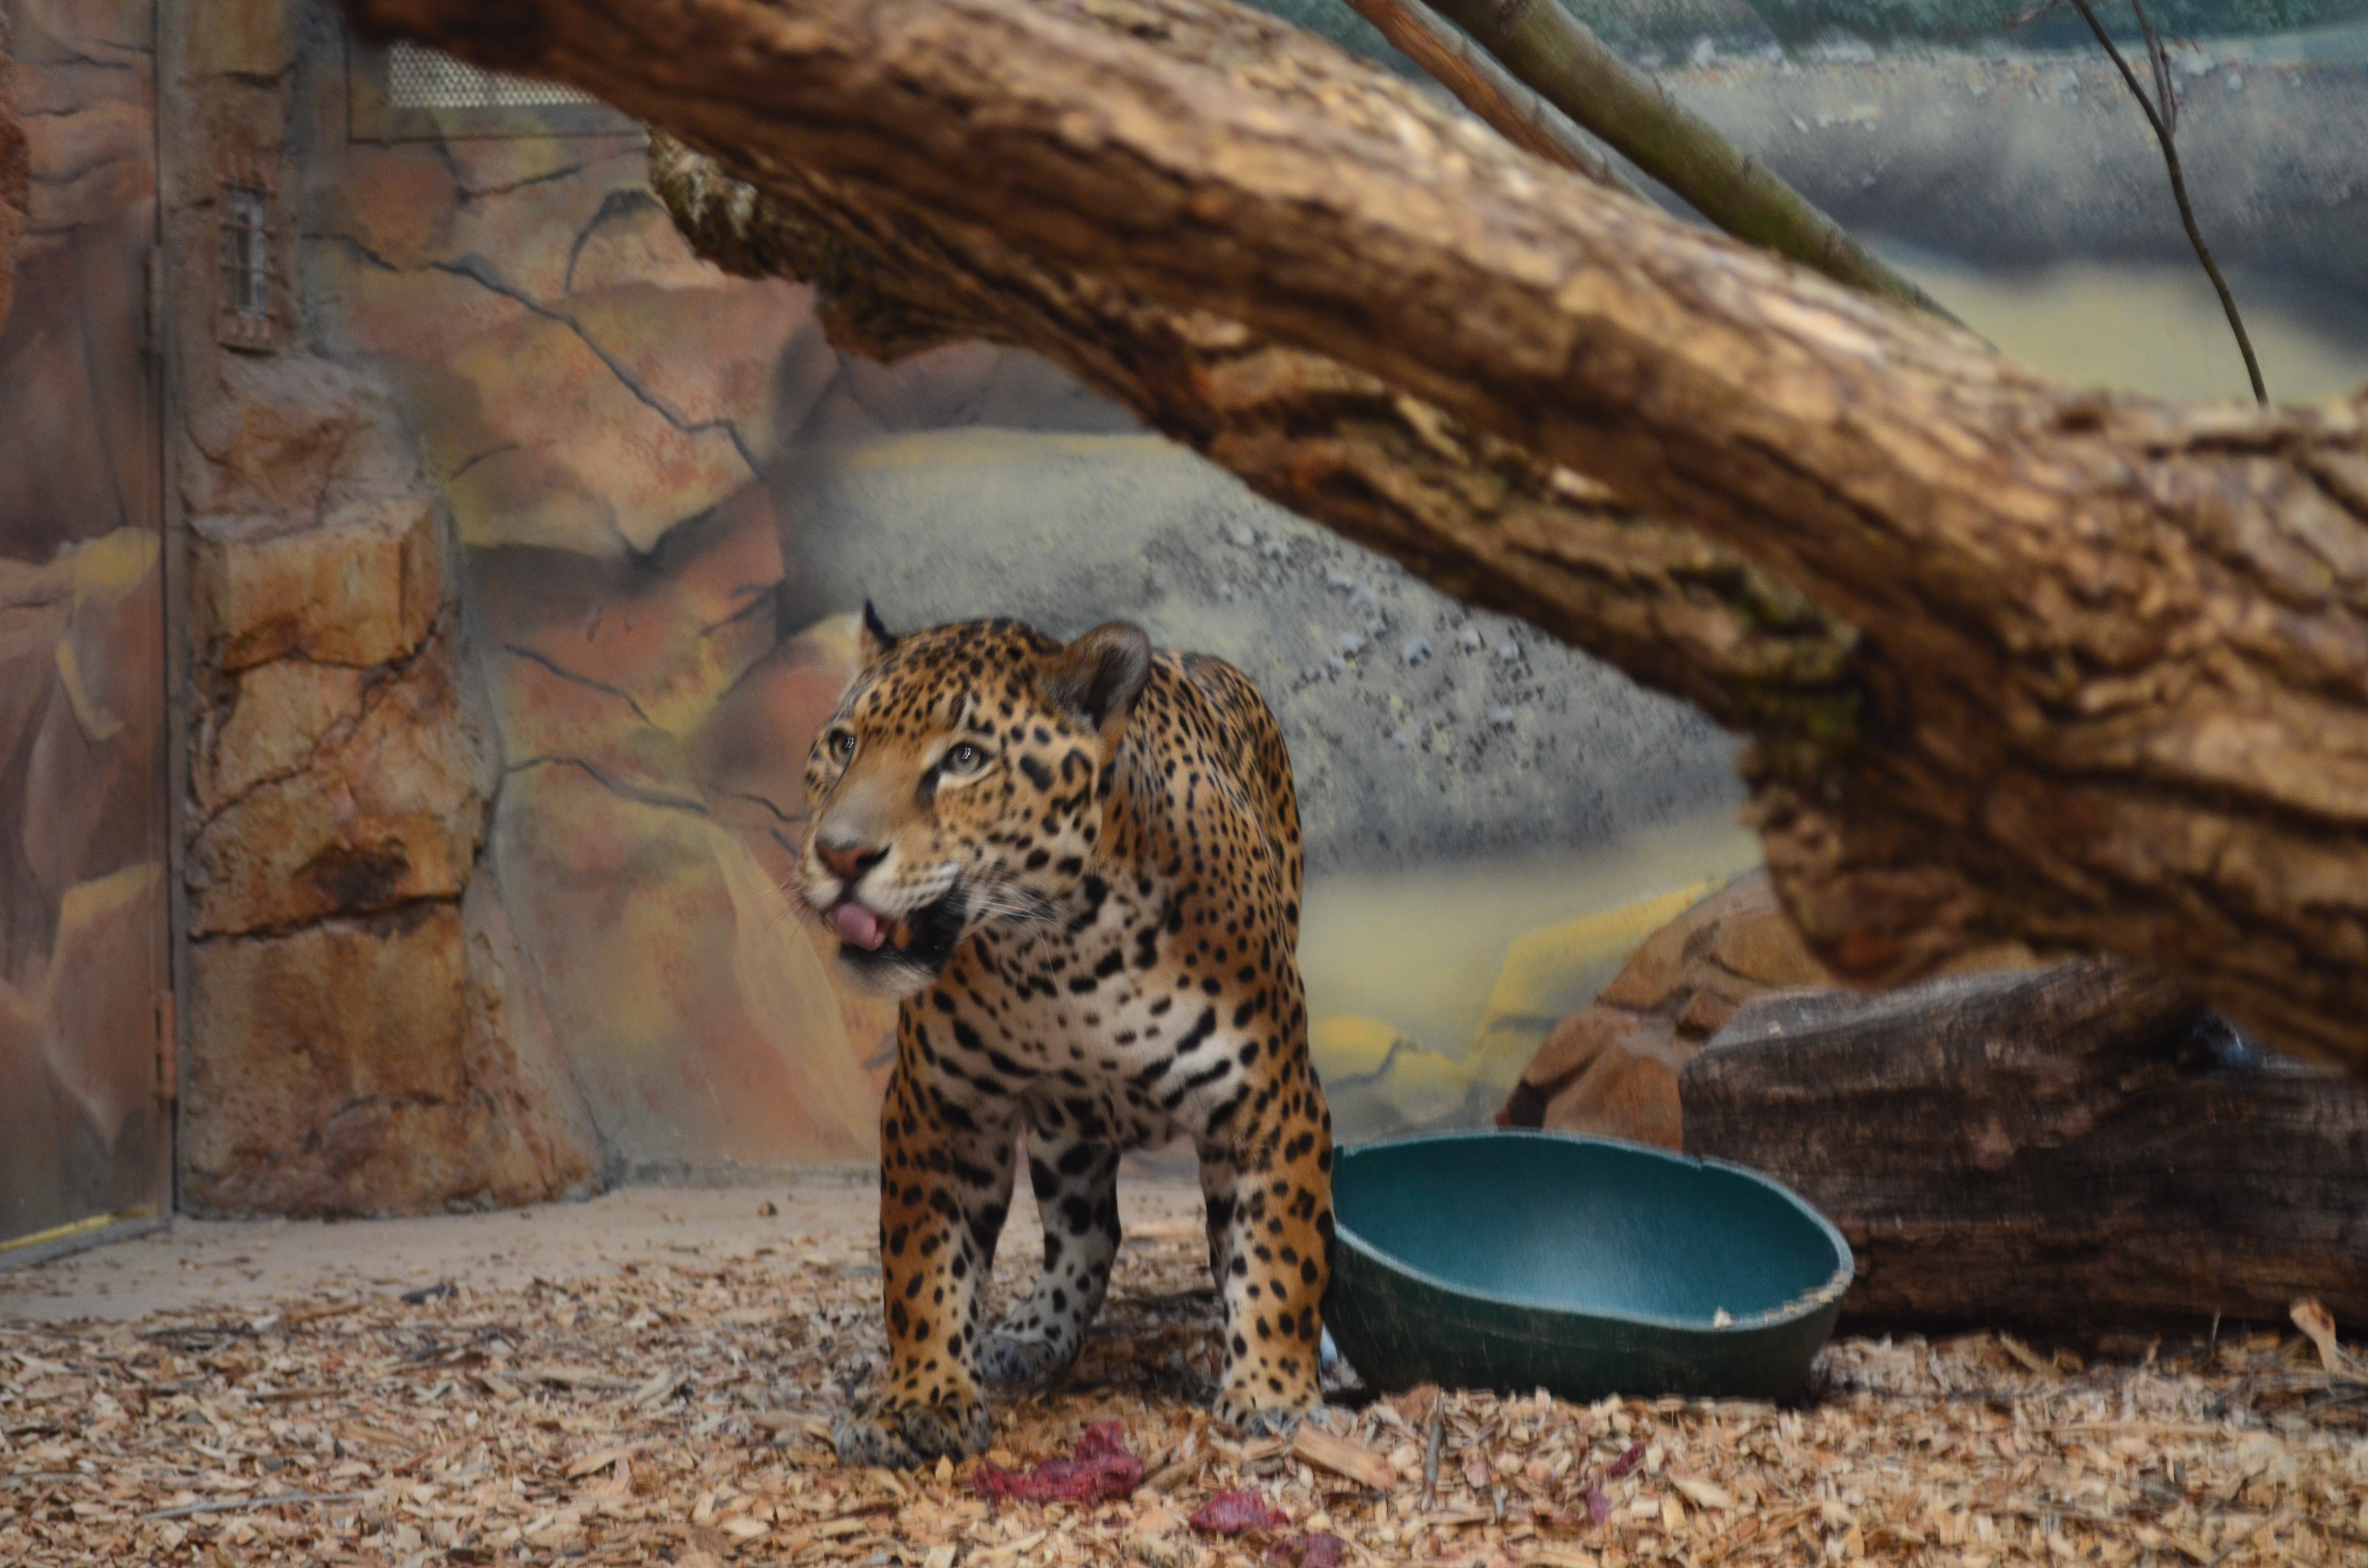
899 1437
1012 1360
1238 1409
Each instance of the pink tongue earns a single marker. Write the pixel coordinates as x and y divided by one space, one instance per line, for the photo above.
859 926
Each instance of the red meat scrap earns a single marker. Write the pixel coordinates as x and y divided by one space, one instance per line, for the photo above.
1322 1550
1101 1469
1231 1513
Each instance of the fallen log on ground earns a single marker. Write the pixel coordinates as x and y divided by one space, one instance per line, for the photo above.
2079 1148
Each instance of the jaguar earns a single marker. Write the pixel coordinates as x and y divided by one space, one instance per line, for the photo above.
1079 865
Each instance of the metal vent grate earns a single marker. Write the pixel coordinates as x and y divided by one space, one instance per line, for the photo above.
422 78
245 251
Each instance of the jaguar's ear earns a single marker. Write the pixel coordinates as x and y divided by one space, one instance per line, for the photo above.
1096 679
877 639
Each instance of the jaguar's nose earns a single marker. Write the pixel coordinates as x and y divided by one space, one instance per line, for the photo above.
848 860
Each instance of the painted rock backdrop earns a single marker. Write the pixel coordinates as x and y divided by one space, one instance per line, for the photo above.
515 550
667 494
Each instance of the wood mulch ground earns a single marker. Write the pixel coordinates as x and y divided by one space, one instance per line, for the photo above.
673 1411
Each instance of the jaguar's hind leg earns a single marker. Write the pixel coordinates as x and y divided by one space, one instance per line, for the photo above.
1077 1191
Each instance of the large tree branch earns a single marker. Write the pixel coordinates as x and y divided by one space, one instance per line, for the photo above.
2114 668
1484 520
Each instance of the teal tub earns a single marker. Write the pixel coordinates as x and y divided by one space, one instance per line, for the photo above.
1521 1260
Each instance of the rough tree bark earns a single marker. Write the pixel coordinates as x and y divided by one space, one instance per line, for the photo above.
2066 1149
1478 517
2110 685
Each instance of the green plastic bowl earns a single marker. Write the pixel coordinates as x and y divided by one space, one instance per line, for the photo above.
1587 1266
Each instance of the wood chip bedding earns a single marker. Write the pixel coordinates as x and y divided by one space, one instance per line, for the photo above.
675 1412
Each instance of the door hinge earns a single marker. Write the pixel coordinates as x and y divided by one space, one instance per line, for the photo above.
169 1049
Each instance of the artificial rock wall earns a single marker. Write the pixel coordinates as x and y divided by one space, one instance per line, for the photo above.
361 1035
489 704
521 569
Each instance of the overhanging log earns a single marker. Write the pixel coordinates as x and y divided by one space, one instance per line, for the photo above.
2112 679
1480 517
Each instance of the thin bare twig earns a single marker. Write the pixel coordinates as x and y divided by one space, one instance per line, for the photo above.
1545 46
2163 115
1430 1446
1487 89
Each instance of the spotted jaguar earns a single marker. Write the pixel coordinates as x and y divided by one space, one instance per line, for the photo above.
1079 865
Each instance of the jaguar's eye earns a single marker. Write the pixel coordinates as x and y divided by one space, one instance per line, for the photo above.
964 758
842 744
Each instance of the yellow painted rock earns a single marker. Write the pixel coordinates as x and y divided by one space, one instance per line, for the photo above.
1550 973
1378 1081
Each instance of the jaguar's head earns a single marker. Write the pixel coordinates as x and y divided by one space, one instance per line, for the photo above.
962 781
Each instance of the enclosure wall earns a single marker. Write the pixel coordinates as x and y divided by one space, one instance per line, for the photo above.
84 1134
